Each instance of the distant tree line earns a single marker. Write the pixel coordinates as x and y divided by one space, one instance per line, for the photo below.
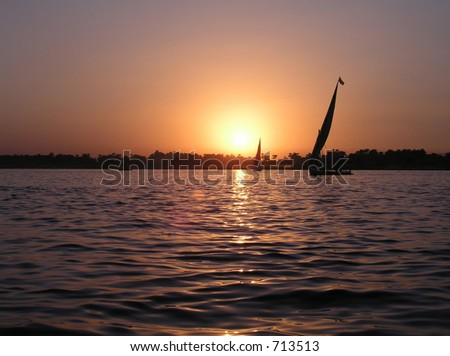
399 159
362 159
49 161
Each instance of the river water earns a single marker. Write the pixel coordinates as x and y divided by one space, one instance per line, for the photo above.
370 256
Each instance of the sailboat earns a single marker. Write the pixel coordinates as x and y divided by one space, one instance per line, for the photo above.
322 138
258 166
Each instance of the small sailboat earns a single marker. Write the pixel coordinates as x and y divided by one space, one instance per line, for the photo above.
258 164
322 138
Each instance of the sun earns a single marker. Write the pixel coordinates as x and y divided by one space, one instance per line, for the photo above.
236 129
240 140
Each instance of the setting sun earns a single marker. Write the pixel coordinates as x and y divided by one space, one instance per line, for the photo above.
237 128
240 140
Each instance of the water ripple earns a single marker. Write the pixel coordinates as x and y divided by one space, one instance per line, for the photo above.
368 258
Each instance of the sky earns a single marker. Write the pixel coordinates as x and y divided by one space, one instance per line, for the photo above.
215 76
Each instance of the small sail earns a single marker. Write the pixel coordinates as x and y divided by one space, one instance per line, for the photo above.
326 126
258 153
258 166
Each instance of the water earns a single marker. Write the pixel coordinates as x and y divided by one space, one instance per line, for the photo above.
370 257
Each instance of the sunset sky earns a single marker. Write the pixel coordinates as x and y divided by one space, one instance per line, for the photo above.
214 76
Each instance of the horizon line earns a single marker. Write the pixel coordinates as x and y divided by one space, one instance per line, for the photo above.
129 151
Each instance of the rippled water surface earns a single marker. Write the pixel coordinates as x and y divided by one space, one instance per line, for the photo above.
370 257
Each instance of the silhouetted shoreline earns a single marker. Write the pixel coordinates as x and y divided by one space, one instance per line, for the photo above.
365 159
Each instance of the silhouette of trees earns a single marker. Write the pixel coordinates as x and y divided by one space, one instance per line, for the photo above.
296 160
362 159
399 159
48 161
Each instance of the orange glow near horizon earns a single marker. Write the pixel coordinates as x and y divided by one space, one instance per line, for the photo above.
237 130
214 77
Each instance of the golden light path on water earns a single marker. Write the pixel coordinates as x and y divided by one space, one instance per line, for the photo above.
233 258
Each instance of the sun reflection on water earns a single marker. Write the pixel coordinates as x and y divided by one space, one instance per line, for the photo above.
241 209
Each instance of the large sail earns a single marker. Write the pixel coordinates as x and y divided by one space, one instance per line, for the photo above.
326 126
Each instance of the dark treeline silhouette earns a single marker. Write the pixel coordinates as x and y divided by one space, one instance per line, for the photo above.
362 159
399 159
48 161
